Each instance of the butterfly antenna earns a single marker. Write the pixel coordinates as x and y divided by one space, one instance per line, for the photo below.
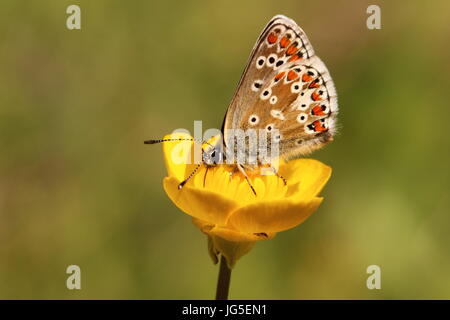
154 141
182 183
241 169
164 140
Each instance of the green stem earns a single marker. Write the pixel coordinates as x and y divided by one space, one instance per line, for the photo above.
223 283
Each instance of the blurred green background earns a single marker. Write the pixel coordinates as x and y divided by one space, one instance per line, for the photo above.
78 186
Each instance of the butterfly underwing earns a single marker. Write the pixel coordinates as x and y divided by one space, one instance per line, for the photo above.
285 88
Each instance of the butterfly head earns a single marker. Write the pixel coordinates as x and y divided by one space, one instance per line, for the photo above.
213 154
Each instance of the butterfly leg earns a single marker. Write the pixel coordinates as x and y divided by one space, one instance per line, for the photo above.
241 169
232 172
279 175
204 177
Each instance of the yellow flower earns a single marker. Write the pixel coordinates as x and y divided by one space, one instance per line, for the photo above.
228 212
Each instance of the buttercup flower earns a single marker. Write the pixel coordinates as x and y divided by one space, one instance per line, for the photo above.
226 210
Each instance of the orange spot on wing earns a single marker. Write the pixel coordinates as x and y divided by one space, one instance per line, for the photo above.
306 77
279 76
291 50
318 126
292 75
317 111
314 84
294 58
284 42
315 96
272 38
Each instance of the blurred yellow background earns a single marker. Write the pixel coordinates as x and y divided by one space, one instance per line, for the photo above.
78 186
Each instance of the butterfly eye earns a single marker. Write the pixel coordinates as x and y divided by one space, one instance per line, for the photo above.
296 87
299 142
266 94
273 99
253 120
271 60
260 62
302 117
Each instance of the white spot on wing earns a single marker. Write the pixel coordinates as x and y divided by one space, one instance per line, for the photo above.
271 59
277 114
308 130
260 62
302 117
273 99
256 86
253 120
270 127
266 94
296 87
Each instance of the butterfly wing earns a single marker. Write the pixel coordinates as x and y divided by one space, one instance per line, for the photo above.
285 87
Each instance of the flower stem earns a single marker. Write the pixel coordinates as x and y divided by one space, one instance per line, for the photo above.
223 282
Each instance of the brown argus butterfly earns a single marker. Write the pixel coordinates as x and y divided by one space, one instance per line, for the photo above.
286 92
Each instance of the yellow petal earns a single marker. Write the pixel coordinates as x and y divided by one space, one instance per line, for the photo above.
230 234
199 203
205 227
231 250
312 175
230 243
176 154
272 216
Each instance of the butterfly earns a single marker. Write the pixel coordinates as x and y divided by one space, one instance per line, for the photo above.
285 91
